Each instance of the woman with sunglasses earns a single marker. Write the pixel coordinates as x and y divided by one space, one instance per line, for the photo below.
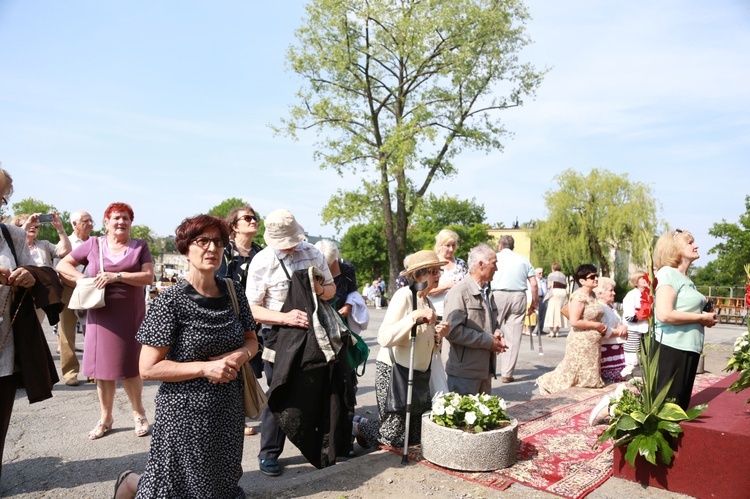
680 314
194 342
581 364
110 350
243 227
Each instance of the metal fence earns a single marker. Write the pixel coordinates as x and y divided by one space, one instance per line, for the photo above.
725 291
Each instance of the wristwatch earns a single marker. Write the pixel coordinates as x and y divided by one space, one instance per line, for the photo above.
118 276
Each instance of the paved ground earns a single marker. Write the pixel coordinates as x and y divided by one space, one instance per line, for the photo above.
48 455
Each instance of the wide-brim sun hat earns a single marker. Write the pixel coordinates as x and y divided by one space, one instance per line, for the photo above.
424 259
282 230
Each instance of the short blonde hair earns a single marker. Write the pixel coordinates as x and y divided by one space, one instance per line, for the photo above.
604 284
19 219
445 236
635 277
669 247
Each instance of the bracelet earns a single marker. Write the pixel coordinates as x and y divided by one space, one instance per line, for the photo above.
248 353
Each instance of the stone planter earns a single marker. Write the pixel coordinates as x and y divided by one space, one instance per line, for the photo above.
459 450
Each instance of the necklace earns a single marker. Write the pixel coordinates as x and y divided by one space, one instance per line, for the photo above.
122 245
247 250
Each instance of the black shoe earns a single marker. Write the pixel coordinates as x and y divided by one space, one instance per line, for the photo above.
270 466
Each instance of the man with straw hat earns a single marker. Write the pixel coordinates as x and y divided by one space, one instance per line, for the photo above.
475 339
267 285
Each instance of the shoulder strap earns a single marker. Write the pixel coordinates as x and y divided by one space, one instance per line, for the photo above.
232 295
101 255
284 267
9 240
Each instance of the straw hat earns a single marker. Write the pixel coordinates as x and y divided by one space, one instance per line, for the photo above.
424 259
282 230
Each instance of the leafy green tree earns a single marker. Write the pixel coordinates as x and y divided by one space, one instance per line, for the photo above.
364 246
398 88
222 210
734 253
144 232
591 215
464 217
164 245
46 232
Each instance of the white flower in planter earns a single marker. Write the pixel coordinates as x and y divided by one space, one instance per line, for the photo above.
471 417
450 410
627 371
483 409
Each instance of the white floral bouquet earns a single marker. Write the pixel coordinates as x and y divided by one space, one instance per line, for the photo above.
472 413
740 361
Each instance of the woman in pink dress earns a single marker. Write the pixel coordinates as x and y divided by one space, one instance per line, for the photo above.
111 351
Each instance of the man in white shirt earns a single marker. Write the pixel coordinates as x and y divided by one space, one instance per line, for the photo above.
69 365
268 280
514 275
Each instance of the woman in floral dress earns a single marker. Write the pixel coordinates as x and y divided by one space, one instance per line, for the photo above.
581 364
195 344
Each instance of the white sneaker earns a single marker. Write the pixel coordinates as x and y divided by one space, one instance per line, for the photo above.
596 416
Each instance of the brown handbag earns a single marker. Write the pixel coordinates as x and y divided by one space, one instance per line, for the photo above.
565 311
254 399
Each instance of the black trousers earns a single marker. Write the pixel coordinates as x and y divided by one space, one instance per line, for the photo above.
7 398
542 315
272 438
683 365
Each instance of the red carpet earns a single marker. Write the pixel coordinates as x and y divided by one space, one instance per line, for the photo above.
555 448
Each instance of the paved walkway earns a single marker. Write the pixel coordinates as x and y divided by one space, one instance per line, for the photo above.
47 452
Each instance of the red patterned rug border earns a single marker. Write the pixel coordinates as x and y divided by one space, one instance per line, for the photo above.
498 480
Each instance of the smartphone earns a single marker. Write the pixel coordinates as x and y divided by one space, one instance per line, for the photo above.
709 306
46 218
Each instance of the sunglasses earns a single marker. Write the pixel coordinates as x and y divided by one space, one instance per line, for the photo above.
248 218
204 242
435 271
676 231
592 277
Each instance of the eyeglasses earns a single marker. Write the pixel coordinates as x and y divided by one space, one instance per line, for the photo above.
204 242
435 271
676 231
5 200
86 222
248 218
592 277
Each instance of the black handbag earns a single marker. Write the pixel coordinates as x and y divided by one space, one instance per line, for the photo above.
395 401
421 401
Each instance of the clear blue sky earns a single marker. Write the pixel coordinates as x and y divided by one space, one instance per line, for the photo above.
166 105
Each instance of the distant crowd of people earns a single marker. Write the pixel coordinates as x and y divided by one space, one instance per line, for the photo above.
290 312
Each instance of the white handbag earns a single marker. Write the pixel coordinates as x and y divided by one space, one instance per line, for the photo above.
86 295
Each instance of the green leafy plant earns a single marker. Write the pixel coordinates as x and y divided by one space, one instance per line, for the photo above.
740 361
472 413
641 416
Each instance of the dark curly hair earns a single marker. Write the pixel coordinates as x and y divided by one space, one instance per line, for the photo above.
192 227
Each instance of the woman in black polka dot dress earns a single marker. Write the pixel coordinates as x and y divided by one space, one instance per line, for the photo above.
194 343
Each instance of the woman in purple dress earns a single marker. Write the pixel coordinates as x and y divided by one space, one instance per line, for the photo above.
110 349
